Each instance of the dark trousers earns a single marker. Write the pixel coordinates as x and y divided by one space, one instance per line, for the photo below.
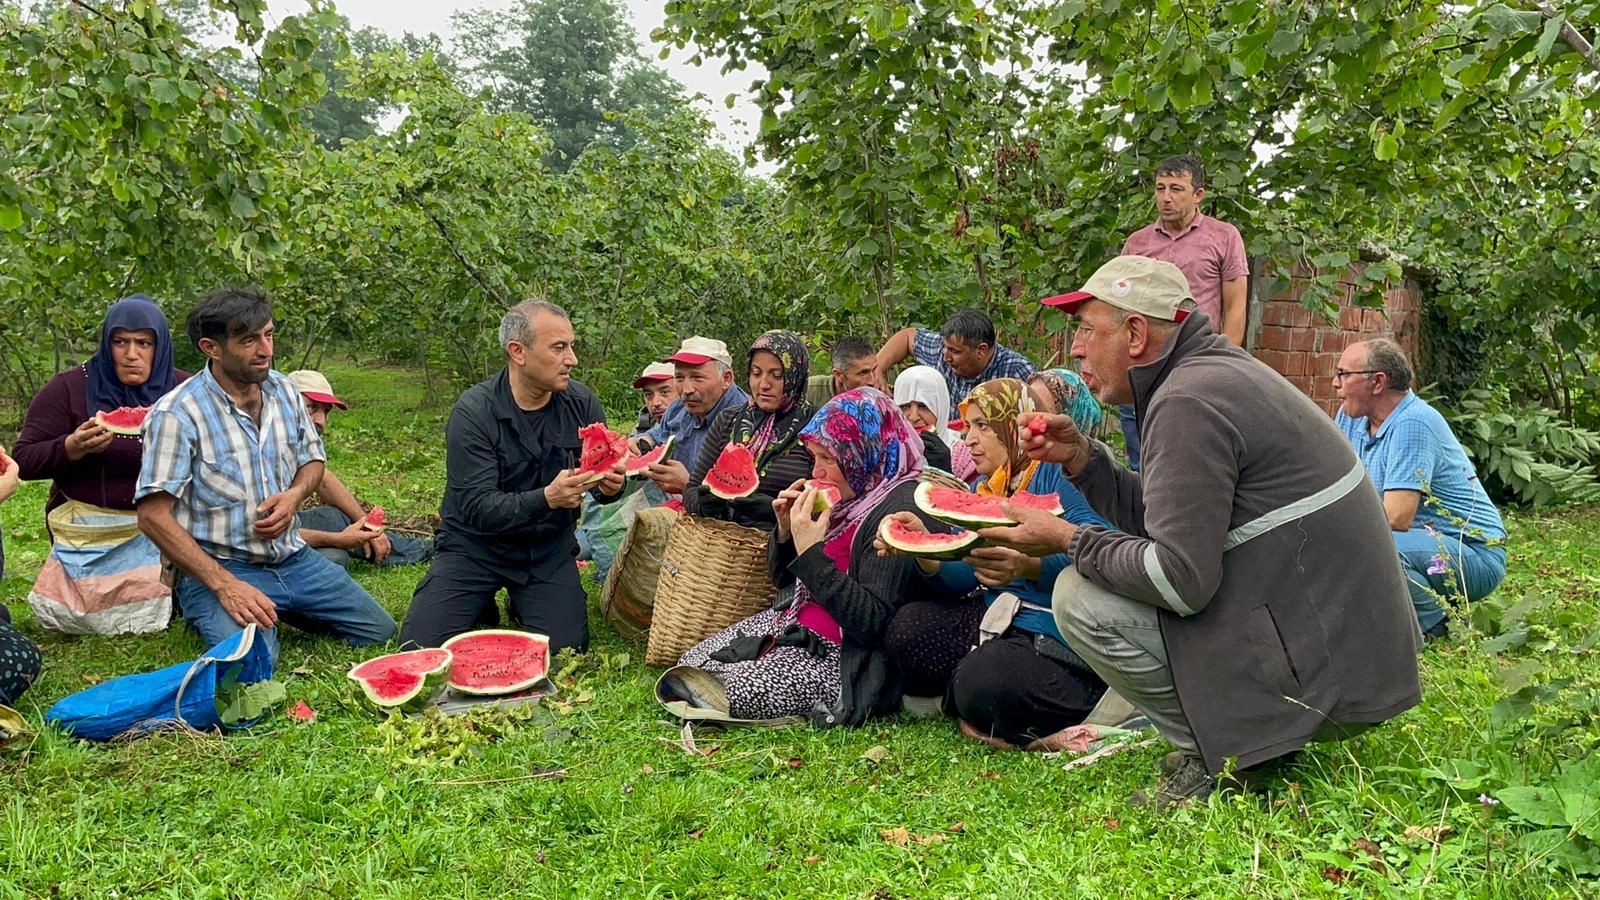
458 595
19 662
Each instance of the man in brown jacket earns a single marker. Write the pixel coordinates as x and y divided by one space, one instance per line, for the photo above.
1251 602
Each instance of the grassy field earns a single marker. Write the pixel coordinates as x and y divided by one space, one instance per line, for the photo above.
598 798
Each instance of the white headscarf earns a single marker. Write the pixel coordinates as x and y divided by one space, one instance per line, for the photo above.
924 384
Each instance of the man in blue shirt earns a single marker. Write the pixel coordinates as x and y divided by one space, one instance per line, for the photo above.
704 374
1449 534
964 351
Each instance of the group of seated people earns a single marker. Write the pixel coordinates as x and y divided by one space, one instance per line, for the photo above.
1242 591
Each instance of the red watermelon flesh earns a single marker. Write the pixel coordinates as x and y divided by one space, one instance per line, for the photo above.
602 449
922 543
827 496
124 420
408 681
734 475
1039 424
958 507
375 519
638 464
496 661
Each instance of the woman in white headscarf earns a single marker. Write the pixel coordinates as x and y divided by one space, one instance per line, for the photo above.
922 395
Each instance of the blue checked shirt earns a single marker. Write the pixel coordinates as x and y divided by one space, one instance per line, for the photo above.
220 465
1415 450
927 348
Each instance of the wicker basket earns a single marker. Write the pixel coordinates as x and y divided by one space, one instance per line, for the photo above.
629 595
715 574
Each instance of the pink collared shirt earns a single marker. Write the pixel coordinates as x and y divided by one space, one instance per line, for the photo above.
1209 253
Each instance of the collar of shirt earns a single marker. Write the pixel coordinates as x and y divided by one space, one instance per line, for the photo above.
209 383
1198 217
1405 404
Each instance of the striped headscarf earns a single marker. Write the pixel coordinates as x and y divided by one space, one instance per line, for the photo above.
1000 401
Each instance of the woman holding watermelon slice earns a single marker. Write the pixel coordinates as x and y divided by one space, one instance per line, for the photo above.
818 652
1022 684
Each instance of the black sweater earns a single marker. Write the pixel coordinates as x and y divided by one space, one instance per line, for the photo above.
862 601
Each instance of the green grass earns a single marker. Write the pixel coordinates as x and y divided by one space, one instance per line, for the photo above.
291 810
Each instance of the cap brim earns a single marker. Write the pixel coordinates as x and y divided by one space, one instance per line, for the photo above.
688 359
319 397
643 380
1067 302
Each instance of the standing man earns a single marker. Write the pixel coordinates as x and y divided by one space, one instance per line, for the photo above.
1250 602
855 364
1447 531
964 351
229 456
659 387
703 372
1209 253
512 493
333 527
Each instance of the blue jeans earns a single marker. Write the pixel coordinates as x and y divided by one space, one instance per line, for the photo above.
403 550
1472 570
1130 435
311 593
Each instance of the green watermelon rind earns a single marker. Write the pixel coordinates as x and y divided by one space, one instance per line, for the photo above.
429 685
926 503
107 419
824 500
947 546
728 493
634 468
459 645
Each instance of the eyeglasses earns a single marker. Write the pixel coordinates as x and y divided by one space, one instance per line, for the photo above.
1342 374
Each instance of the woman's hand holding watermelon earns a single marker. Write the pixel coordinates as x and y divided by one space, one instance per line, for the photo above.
1060 441
783 503
90 437
806 528
911 523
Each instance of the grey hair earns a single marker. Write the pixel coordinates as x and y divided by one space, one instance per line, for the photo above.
1386 356
517 323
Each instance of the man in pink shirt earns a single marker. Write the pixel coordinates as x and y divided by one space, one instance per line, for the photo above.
1208 252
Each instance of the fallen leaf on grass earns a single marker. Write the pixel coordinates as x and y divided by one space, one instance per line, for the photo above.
901 837
877 753
1112 824
1373 853
957 828
647 769
989 776
695 834
796 762
301 711
813 859
1335 875
1430 833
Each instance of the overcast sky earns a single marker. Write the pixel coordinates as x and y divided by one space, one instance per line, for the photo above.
735 126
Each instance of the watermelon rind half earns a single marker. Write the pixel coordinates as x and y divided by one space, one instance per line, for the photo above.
734 475
495 661
971 510
927 545
124 420
407 681
637 466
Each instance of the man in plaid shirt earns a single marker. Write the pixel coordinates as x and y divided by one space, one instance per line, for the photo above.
229 456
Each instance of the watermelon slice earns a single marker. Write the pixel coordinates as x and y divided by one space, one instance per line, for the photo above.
974 511
406 681
895 534
827 496
375 519
1039 424
638 464
602 449
496 661
124 420
734 475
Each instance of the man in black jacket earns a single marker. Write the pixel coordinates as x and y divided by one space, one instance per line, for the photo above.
511 494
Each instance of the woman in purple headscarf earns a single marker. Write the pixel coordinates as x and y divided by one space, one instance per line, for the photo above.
818 652
60 439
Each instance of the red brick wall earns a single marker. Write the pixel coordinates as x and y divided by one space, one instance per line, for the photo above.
1305 348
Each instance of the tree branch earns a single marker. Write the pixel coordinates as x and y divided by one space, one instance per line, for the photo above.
450 243
1571 35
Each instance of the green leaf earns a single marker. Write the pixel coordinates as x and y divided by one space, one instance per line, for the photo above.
1285 42
242 205
245 703
10 217
1386 147
164 90
1547 40
1534 805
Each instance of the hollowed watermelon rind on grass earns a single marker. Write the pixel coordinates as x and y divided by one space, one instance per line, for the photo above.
124 420
639 464
970 510
407 681
496 661
734 474
926 544
602 449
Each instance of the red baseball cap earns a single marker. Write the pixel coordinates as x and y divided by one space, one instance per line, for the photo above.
314 386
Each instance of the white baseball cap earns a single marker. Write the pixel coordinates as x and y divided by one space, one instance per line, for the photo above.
656 371
313 385
1138 284
700 350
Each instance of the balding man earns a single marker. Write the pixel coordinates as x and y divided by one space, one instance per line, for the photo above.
1449 535
1249 603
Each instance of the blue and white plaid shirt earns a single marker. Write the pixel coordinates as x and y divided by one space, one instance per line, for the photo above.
220 464
928 349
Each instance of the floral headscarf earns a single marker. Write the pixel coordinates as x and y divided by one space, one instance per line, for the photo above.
875 445
768 435
1073 398
1001 401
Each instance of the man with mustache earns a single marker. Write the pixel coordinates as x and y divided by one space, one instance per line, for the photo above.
512 493
703 370
229 456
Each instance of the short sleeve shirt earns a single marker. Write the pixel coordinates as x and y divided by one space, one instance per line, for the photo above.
927 348
220 464
1415 450
1209 253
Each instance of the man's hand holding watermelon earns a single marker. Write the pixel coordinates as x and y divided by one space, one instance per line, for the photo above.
1059 441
